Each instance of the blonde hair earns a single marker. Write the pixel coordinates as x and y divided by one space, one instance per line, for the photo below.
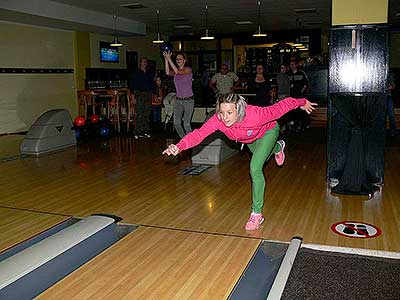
233 98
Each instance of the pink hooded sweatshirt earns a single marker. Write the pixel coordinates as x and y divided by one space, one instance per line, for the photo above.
255 123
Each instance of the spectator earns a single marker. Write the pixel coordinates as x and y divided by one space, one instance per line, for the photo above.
224 82
184 103
156 103
283 83
261 87
143 88
298 87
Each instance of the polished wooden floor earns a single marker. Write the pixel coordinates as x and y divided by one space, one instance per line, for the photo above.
131 179
187 222
17 225
153 263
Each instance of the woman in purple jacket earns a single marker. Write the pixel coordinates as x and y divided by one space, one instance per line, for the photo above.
184 104
251 125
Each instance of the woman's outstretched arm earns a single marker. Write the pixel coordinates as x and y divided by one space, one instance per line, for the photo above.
274 112
193 138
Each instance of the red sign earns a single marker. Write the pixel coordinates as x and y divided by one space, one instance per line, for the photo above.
355 229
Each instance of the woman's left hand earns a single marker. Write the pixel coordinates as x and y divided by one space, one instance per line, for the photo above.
309 106
172 150
167 55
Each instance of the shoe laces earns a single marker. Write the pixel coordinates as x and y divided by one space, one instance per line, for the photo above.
252 218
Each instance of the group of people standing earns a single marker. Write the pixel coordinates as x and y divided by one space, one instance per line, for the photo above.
149 91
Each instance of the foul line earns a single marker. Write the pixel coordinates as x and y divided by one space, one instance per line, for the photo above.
203 232
36 211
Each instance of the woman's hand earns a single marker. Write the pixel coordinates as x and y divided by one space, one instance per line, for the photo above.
172 150
308 107
167 55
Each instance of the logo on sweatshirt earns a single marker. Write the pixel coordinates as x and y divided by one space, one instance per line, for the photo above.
249 132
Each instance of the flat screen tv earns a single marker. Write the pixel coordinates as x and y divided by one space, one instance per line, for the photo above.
108 53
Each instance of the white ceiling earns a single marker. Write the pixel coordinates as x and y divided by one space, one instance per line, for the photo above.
96 15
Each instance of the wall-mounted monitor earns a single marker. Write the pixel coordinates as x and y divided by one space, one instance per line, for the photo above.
108 53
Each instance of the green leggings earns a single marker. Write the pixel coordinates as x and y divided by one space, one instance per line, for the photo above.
262 149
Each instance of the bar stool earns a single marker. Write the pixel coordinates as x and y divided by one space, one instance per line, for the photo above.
113 109
85 99
132 109
128 108
123 107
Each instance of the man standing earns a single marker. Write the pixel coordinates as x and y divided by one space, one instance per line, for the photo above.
298 86
283 83
143 85
224 82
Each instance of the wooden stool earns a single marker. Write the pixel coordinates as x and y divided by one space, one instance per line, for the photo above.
132 109
85 99
113 109
128 108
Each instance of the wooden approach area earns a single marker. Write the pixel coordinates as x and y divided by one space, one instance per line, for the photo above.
190 243
154 263
17 225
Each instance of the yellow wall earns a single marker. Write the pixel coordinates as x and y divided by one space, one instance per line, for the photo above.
348 12
25 97
82 57
143 45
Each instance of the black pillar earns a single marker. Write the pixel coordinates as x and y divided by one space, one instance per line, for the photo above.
358 68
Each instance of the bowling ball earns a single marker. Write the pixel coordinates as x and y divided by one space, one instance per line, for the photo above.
94 118
165 47
102 118
80 121
104 131
83 165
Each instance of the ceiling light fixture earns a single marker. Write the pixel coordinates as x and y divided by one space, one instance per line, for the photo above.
134 5
259 33
207 36
159 40
305 10
176 19
115 42
243 22
183 26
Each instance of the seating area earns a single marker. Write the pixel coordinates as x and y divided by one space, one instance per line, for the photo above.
118 105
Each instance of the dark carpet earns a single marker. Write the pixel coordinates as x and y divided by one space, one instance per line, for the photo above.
337 276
